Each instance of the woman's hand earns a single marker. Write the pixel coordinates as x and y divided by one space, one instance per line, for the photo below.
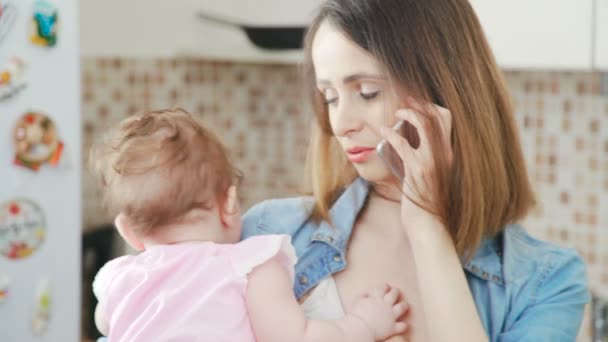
447 302
419 163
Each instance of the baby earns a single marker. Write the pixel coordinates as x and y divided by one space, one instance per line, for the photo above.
172 188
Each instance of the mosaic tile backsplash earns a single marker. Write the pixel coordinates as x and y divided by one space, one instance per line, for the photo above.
260 112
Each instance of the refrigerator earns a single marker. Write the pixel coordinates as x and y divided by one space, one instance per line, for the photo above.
40 171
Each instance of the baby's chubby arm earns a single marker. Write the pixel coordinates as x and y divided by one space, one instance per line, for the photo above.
100 322
276 315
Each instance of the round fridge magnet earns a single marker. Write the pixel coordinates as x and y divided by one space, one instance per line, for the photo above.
12 79
22 228
36 141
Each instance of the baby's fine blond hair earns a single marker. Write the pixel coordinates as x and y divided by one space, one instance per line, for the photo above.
156 167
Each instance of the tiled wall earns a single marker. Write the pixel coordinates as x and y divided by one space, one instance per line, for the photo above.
260 113
563 119
564 124
256 109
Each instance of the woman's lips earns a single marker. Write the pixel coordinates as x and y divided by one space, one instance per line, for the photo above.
359 154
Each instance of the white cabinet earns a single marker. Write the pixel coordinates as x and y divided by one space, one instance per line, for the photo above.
539 34
524 34
601 35
154 28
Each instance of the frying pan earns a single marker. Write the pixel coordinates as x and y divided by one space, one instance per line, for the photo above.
263 37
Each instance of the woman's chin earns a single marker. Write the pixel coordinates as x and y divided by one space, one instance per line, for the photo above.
373 173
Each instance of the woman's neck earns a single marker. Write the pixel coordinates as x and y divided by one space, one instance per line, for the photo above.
386 192
382 204
381 216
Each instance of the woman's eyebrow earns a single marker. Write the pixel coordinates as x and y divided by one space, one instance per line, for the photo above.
353 78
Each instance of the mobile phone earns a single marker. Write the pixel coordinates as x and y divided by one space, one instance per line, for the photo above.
389 156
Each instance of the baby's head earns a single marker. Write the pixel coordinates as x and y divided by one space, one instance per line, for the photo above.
167 179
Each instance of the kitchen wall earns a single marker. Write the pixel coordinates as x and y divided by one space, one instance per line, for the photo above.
261 114
256 109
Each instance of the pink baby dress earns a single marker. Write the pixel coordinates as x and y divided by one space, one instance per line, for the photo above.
185 292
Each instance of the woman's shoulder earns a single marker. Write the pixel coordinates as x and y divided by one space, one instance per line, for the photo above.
528 266
545 283
542 276
277 216
517 259
534 282
526 257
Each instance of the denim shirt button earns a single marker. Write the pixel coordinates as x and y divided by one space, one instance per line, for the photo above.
337 258
475 269
496 278
329 239
303 280
485 275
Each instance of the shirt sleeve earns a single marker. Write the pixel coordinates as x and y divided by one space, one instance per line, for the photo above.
257 250
555 304
251 221
104 276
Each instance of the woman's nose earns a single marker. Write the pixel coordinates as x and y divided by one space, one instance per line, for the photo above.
346 120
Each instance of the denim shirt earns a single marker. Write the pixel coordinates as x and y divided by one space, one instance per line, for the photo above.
524 289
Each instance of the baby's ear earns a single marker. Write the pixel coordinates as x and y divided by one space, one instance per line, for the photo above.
231 211
127 232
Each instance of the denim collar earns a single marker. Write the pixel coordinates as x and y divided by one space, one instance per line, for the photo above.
485 264
343 214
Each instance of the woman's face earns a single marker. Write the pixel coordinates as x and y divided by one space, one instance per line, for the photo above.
358 97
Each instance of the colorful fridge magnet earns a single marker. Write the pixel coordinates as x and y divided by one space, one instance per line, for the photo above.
8 13
5 283
44 24
36 141
42 311
22 228
12 81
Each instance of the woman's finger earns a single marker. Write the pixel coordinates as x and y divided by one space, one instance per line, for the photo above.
414 119
444 115
403 148
428 108
446 118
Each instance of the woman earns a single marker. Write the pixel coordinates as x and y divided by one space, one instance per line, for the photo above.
447 235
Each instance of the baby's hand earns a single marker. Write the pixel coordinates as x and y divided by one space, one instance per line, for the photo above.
380 309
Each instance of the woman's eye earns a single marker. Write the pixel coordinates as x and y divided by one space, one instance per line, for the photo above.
370 96
331 101
330 96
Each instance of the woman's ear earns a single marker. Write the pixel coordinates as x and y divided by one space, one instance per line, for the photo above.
231 210
128 234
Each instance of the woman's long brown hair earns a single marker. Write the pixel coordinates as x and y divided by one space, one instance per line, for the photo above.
434 51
